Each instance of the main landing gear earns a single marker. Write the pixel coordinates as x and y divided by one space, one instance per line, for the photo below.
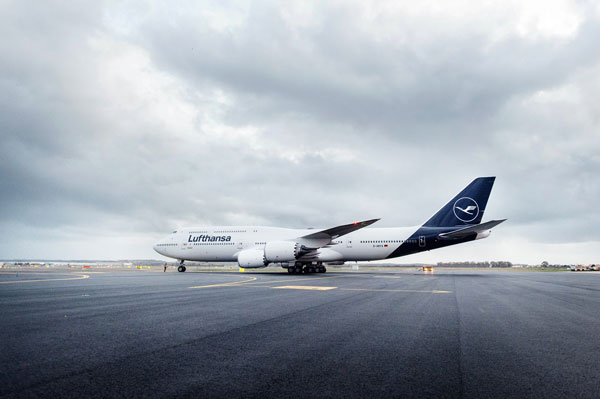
181 267
307 268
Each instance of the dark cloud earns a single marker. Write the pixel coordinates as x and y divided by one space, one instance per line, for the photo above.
121 122
340 74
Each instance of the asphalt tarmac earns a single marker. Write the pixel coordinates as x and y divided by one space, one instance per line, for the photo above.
471 334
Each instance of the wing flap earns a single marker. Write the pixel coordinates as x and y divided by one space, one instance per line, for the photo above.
478 228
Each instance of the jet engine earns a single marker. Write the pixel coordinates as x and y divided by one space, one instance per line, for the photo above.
284 251
252 258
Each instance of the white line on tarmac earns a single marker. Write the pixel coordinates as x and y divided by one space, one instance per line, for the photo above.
390 290
304 287
233 284
79 277
294 279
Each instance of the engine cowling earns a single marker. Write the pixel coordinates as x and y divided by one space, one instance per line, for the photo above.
283 251
252 258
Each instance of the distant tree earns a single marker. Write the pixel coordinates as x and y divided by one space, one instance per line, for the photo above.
544 264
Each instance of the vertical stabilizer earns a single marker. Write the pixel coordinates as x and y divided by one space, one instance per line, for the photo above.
467 207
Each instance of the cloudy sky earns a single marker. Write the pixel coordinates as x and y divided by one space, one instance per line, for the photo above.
121 121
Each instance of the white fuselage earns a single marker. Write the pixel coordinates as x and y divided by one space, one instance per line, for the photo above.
225 243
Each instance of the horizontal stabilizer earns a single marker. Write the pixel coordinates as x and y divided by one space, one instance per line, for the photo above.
324 237
465 232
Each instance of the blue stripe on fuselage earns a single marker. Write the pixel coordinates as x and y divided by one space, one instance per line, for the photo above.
429 241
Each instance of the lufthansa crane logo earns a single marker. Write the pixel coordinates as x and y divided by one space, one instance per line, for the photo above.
466 209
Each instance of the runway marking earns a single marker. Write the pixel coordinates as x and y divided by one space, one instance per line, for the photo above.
294 279
304 287
249 282
259 284
390 290
233 284
79 277
389 277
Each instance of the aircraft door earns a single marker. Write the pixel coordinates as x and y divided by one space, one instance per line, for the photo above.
349 244
422 241
240 245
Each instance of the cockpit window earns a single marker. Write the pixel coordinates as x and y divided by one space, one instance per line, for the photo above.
174 232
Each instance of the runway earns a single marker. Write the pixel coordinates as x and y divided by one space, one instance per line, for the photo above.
468 334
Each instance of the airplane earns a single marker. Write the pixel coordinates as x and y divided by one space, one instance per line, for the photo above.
310 250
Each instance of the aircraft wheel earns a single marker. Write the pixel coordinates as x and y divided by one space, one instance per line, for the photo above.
298 269
323 269
181 269
290 270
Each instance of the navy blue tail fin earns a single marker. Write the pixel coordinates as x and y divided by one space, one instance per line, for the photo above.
467 207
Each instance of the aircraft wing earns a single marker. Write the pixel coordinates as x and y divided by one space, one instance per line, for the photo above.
324 237
478 228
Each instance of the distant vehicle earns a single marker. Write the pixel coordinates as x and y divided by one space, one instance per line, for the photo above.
306 250
427 268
